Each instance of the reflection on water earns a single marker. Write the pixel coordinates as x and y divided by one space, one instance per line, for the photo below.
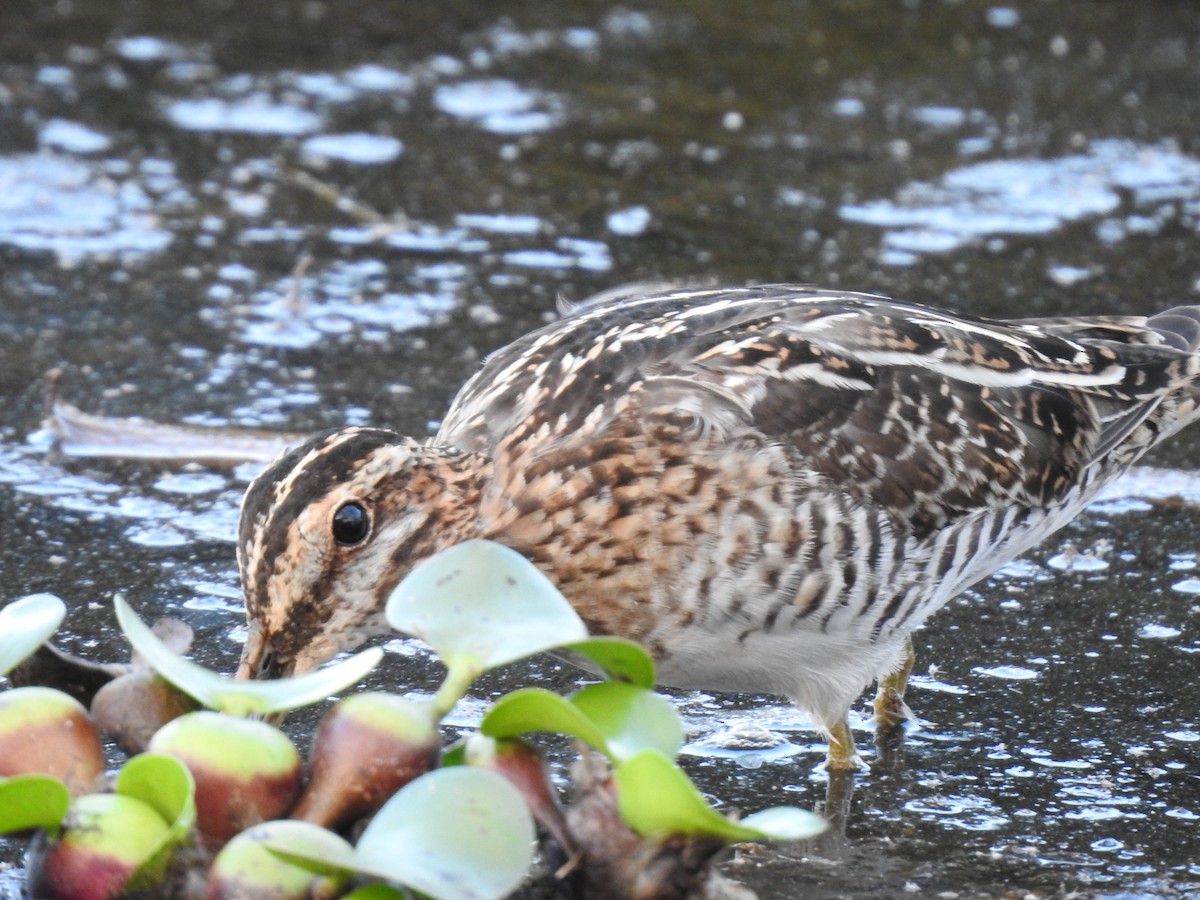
1037 196
499 106
331 217
76 209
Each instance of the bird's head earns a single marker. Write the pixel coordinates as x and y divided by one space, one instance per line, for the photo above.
328 530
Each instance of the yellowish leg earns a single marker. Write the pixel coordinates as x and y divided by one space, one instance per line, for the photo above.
890 708
843 754
841 765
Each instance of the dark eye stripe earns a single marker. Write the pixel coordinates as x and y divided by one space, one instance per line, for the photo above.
298 479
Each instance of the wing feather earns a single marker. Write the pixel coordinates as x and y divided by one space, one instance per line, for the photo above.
926 414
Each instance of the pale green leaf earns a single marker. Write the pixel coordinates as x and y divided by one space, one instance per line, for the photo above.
453 834
25 624
235 696
480 605
785 823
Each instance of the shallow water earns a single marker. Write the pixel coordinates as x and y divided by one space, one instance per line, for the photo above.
295 216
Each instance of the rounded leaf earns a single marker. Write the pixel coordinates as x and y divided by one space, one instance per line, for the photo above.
235 696
631 718
480 605
25 624
617 658
165 784
537 710
454 834
32 801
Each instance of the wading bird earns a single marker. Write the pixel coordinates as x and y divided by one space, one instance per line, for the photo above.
768 487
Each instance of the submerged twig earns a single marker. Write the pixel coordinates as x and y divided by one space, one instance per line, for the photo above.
356 209
80 434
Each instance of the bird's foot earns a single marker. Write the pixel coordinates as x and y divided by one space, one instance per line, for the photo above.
843 758
890 709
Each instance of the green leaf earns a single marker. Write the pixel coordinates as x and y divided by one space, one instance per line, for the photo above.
631 718
25 624
32 801
658 800
453 834
617 719
454 755
235 696
480 605
165 784
377 891
618 658
538 710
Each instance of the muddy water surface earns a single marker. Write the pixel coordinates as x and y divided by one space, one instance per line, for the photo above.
296 215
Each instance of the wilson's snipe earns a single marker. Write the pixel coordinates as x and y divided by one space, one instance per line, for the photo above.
769 487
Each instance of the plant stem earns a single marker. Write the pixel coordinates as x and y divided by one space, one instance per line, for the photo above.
459 675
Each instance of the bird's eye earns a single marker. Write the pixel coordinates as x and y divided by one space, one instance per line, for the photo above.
351 524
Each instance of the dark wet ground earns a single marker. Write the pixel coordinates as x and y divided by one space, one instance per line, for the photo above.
295 215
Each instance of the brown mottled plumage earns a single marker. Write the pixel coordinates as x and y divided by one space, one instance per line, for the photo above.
769 487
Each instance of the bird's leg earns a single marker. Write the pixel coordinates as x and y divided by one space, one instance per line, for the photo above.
843 755
841 765
891 712
890 708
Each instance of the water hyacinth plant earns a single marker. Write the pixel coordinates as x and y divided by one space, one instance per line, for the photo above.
224 792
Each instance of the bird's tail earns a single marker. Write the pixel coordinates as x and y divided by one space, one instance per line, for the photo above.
1160 391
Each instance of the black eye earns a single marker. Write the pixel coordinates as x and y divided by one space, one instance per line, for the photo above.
351 524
